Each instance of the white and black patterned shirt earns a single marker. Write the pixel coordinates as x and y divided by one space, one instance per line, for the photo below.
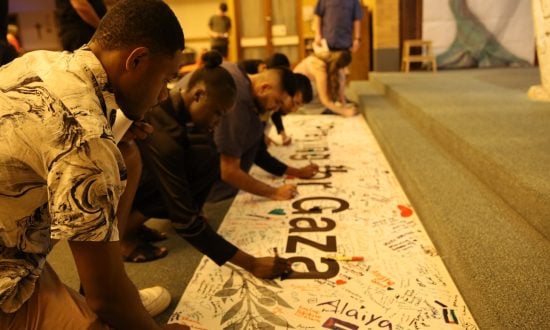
61 174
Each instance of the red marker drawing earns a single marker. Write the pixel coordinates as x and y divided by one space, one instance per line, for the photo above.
346 258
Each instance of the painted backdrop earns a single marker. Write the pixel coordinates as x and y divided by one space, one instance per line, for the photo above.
479 33
541 15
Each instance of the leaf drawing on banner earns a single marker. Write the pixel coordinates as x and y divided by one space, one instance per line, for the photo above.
265 326
271 294
248 312
272 318
229 282
266 301
234 326
265 291
226 292
282 302
232 311
272 283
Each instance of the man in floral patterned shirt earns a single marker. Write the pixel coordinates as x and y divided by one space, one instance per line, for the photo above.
61 173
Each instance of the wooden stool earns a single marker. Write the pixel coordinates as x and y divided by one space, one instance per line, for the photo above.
425 56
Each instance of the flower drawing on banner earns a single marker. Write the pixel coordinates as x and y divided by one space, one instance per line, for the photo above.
254 297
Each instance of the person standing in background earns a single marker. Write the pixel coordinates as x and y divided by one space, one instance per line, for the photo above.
219 26
13 38
78 20
339 23
7 52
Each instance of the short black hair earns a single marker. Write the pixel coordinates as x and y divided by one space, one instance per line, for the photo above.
288 83
132 23
223 7
277 59
303 85
250 66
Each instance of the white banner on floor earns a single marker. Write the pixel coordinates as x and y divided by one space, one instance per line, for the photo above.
355 209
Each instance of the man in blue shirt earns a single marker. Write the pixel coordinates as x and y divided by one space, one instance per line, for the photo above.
339 22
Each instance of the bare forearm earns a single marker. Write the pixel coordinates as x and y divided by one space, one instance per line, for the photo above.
262 267
317 26
357 30
328 103
243 260
305 172
342 89
325 99
292 171
244 181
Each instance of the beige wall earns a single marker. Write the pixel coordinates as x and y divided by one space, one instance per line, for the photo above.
385 34
193 16
386 24
307 27
541 14
37 27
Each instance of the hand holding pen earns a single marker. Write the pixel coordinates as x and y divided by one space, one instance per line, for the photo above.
285 267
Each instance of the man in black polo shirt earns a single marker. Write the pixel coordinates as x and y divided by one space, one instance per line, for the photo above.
181 164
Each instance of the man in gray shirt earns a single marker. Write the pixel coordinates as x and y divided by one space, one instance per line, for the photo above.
240 132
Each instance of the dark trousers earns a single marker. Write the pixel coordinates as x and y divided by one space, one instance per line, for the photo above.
176 178
221 45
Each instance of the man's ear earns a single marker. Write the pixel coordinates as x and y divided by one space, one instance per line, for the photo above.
136 57
264 87
198 92
262 67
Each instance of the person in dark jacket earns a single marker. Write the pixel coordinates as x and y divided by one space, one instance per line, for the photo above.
180 164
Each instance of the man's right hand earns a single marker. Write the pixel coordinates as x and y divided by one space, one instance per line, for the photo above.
270 267
317 41
262 267
287 139
284 192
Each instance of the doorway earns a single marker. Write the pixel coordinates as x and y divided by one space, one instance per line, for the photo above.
274 26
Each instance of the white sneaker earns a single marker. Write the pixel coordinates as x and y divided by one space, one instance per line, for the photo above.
155 299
